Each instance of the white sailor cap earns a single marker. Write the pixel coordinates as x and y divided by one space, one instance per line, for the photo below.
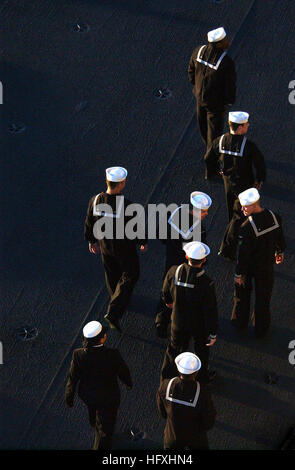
116 174
239 117
200 200
216 35
248 197
187 363
196 250
92 329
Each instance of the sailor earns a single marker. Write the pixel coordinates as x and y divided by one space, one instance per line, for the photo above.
241 164
190 293
212 73
97 368
177 237
118 252
187 406
261 244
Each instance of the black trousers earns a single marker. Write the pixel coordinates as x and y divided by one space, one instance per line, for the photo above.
179 342
261 317
210 123
163 315
121 274
103 421
230 238
174 256
231 194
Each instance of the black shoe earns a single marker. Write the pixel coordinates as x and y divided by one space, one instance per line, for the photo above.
114 324
137 435
227 256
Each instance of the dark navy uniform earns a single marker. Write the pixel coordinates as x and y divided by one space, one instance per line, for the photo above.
119 255
213 74
261 237
175 256
241 164
189 411
97 370
194 314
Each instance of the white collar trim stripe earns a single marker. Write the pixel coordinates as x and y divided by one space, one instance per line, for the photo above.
177 278
104 214
259 232
215 67
229 152
191 403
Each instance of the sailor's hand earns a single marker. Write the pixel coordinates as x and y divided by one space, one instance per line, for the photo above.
279 258
240 280
211 341
143 248
94 248
169 305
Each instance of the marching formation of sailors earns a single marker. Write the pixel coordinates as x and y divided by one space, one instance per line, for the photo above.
253 239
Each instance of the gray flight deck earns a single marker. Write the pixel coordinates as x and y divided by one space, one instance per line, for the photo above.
76 102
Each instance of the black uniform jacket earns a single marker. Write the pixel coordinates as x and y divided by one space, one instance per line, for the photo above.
97 370
112 245
193 296
261 236
235 156
178 235
214 81
188 408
